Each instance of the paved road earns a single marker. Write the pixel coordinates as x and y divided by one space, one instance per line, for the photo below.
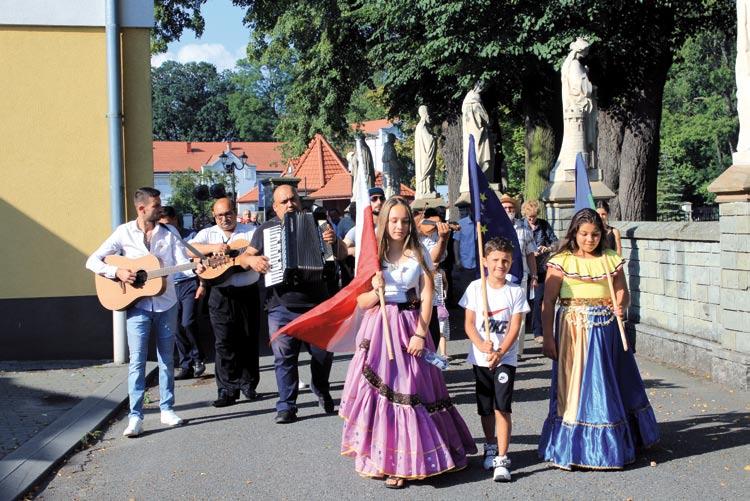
34 394
238 452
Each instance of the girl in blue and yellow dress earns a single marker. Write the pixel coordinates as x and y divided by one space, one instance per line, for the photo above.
599 412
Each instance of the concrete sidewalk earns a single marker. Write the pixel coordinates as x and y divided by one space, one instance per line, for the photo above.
49 409
238 452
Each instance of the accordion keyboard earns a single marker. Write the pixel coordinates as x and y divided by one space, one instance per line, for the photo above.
273 251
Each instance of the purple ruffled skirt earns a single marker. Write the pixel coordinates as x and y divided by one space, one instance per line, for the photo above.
399 419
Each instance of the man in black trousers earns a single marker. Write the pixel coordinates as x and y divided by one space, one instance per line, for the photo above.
233 307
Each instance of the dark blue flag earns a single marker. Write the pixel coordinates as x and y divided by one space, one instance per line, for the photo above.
488 210
584 198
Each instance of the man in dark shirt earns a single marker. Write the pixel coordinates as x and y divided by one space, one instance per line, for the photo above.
285 302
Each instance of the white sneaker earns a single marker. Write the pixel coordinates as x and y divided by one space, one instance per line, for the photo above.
502 469
301 385
169 418
490 452
135 427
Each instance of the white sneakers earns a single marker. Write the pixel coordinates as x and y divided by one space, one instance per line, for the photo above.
135 424
135 427
490 452
502 469
169 418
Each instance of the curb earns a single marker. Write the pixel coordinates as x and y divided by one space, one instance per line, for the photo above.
25 466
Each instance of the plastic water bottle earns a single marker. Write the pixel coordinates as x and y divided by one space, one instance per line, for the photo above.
433 358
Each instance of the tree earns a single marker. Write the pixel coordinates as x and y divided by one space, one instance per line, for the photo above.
190 102
258 100
700 126
171 18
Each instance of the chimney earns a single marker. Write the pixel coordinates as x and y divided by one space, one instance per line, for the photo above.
189 147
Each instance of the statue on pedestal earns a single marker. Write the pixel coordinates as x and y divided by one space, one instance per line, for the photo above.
364 162
475 121
579 112
351 163
391 167
425 162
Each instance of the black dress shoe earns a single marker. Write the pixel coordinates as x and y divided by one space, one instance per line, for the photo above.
326 403
224 400
251 394
184 374
199 368
286 417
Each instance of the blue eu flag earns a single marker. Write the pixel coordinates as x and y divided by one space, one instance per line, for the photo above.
488 210
584 197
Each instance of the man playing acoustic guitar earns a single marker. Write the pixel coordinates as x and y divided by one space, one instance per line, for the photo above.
234 308
158 313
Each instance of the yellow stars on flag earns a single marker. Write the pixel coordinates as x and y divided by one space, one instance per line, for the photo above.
483 228
482 197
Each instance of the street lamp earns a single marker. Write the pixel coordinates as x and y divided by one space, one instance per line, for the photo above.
230 167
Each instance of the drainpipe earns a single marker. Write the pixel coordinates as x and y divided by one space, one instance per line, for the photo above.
116 177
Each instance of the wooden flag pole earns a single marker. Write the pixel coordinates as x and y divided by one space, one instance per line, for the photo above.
386 329
484 282
620 324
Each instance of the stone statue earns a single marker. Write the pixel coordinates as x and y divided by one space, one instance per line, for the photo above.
351 163
475 121
742 75
425 149
364 162
392 167
579 112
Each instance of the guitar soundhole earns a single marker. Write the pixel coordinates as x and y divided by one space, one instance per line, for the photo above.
140 278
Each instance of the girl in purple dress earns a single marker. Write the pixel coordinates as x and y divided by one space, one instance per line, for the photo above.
400 423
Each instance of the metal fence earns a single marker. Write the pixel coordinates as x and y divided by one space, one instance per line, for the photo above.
707 213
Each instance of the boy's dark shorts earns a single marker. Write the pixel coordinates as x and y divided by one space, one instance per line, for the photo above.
494 388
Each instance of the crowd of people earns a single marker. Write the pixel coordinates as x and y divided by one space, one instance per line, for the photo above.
400 423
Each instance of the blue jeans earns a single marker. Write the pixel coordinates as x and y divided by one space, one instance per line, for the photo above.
536 309
285 355
140 323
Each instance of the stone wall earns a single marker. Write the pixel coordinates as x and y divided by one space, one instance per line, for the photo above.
690 298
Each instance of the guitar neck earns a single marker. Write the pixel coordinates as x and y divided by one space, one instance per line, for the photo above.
169 270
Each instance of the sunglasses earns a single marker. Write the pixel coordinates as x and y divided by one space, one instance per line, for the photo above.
375 198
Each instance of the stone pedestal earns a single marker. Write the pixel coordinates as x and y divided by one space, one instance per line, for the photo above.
424 203
732 190
560 195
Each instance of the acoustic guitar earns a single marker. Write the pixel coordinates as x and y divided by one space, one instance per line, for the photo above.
150 280
221 265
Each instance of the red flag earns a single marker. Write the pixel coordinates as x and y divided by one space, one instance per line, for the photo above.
333 325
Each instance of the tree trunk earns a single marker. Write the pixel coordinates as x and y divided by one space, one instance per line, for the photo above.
450 148
609 145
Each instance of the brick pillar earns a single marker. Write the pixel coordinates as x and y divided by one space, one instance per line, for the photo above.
732 190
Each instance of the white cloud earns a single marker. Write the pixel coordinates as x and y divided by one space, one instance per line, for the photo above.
214 53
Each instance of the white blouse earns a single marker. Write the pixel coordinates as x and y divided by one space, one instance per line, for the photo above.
401 277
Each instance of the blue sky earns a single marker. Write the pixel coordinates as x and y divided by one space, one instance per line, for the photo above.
223 42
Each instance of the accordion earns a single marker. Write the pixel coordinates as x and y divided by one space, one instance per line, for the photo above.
295 251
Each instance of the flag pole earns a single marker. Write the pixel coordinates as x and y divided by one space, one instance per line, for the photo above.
386 329
615 305
485 301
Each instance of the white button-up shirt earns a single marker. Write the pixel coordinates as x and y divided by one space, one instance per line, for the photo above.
215 235
129 240
526 242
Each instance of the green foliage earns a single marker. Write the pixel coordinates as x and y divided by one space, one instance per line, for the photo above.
183 184
699 125
190 102
258 99
171 18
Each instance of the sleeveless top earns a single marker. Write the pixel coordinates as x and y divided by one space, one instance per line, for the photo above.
586 277
609 238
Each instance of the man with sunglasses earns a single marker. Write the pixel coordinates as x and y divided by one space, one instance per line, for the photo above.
287 301
377 198
233 307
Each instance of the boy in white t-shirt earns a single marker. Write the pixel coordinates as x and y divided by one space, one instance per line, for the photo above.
495 360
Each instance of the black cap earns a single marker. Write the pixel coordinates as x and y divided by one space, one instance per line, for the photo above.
376 191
